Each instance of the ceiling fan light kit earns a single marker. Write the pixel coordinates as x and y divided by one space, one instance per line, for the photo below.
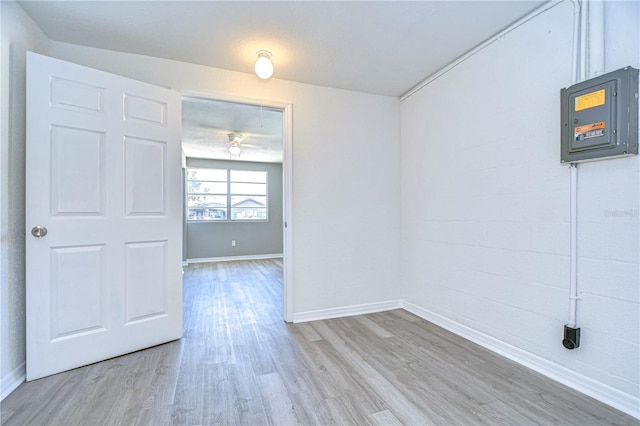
235 139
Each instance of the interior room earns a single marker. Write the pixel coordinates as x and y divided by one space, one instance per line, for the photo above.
224 135
442 256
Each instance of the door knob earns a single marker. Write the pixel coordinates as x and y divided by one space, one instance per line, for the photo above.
39 231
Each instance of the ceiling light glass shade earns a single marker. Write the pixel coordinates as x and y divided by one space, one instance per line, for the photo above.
264 67
234 149
235 139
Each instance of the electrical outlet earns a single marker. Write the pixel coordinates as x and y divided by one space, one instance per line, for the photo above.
233 243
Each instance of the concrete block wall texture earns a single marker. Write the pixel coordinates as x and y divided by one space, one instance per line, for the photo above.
485 204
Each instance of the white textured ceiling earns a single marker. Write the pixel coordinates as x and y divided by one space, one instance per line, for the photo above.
206 125
380 47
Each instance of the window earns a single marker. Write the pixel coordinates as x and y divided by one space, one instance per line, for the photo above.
248 190
207 194
222 195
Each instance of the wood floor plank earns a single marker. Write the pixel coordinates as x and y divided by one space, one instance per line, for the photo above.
384 418
244 404
276 399
402 314
326 332
238 363
308 332
373 326
346 410
385 390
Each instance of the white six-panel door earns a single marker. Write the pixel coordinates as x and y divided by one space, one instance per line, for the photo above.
103 179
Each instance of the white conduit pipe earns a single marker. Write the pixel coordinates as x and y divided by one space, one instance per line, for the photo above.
588 50
588 22
596 38
577 73
573 290
576 51
583 33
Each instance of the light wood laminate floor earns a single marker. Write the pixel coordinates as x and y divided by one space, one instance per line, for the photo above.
239 363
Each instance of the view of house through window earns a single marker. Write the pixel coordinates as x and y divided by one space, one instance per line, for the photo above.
222 195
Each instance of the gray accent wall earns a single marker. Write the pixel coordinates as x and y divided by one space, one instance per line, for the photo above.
213 239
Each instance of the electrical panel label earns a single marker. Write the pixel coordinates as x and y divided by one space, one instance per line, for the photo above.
590 100
588 131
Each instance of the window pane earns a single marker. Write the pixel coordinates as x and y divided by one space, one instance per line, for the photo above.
207 174
206 207
207 214
206 200
248 176
207 187
248 213
248 188
244 201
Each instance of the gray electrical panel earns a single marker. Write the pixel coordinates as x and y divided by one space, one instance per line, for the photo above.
600 117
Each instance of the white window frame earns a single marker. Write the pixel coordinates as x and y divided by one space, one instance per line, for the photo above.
229 195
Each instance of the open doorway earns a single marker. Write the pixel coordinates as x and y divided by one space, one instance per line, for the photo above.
237 183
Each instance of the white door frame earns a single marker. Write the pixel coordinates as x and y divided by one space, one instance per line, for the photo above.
287 170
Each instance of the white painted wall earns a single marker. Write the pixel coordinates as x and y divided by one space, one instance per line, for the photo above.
346 161
19 34
485 204
484 201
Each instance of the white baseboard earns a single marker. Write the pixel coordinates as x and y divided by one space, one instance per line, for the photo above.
346 311
12 380
232 258
619 400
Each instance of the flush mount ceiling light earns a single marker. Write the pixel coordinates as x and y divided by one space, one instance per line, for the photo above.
264 67
235 139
